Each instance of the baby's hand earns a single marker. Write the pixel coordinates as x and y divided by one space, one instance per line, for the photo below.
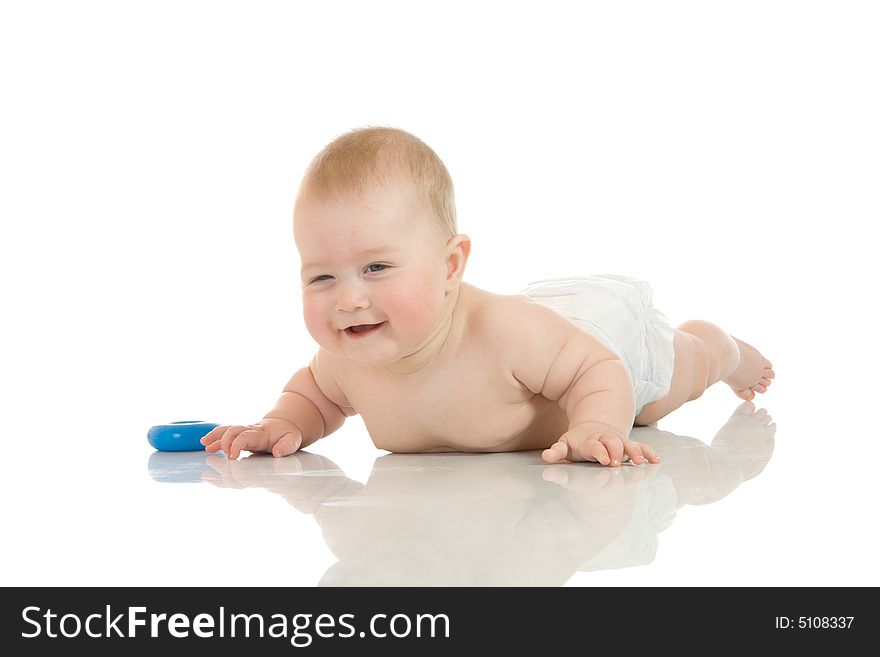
598 442
277 436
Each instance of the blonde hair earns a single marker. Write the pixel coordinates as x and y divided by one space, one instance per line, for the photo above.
360 159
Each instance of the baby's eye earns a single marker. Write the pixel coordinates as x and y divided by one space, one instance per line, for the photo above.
317 279
376 271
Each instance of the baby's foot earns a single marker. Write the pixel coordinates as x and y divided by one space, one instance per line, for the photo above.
753 374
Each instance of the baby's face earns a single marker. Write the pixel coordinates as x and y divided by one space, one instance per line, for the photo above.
379 262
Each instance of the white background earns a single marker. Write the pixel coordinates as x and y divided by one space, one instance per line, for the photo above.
149 158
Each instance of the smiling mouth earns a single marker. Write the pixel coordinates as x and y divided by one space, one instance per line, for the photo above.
362 329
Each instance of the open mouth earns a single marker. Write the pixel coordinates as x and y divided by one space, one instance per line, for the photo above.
362 330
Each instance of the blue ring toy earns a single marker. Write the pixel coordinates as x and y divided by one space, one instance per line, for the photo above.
179 436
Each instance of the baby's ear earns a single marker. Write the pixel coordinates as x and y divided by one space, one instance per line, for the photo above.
457 251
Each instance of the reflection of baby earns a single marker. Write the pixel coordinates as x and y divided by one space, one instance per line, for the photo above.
434 364
460 519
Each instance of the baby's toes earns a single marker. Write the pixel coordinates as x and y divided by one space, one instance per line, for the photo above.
747 394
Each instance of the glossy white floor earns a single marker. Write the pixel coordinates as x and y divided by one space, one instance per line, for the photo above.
89 502
727 156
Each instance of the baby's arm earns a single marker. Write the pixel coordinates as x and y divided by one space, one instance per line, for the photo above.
587 380
303 414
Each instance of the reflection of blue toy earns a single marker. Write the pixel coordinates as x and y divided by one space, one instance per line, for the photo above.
180 467
179 436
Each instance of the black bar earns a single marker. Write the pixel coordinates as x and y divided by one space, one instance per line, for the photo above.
433 621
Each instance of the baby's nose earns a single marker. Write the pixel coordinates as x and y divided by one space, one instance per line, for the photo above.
351 298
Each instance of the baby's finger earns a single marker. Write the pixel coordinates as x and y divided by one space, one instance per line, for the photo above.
557 452
595 450
286 445
650 453
229 435
613 447
212 440
213 447
249 439
633 450
212 436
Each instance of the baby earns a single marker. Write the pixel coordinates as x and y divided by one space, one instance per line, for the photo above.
434 364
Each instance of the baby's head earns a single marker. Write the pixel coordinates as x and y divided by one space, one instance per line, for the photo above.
375 226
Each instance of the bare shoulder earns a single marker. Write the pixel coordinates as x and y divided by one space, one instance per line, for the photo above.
505 317
509 324
328 370
542 349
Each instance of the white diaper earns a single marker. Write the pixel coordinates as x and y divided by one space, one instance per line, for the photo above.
617 310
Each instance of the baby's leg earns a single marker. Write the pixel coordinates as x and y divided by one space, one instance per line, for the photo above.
705 354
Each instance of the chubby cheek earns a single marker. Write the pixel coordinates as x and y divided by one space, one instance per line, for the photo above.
414 310
315 317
